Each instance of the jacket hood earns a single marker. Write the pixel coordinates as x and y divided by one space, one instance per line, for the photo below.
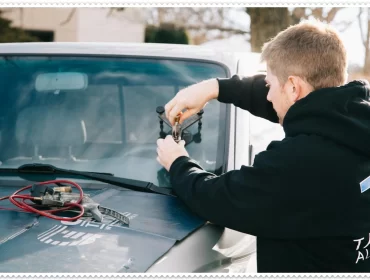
341 114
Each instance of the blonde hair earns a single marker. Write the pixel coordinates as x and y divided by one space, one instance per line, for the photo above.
311 50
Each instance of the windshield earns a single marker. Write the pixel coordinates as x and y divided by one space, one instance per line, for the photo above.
99 114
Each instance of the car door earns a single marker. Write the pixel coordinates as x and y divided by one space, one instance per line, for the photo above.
252 135
257 132
237 245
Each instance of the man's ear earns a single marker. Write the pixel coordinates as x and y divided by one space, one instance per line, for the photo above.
294 88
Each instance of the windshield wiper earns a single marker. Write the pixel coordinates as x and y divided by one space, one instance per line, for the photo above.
108 178
48 168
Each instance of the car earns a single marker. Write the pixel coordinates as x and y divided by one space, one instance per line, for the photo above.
79 124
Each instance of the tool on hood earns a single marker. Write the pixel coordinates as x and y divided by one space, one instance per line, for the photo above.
57 196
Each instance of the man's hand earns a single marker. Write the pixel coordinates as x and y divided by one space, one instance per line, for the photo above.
192 98
168 151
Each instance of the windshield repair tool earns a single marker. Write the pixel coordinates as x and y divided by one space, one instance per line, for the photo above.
179 130
57 196
176 129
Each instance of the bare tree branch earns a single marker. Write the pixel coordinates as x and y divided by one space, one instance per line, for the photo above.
297 15
215 27
344 25
201 23
70 15
110 12
368 30
318 13
299 12
331 14
363 39
366 68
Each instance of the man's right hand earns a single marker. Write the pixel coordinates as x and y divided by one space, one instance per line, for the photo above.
192 98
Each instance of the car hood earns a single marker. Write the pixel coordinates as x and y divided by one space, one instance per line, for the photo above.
30 243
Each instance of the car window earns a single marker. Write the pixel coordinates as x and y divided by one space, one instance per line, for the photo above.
99 113
100 110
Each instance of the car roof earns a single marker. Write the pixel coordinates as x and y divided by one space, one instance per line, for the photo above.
120 49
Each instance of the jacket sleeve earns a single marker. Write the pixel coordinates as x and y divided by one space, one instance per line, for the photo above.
247 200
248 93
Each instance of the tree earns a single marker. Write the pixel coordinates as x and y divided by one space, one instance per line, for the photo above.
10 34
201 24
265 23
205 24
365 34
321 14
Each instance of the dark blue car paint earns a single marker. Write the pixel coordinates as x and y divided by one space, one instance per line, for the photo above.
29 243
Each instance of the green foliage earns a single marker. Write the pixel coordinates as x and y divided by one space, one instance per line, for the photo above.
167 34
10 34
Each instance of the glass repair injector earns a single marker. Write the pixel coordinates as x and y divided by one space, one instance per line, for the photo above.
176 130
179 131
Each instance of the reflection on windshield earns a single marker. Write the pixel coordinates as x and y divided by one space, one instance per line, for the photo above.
99 114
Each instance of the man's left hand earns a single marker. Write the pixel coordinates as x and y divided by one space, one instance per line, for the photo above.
168 151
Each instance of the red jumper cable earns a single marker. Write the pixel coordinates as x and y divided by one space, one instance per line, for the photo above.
19 200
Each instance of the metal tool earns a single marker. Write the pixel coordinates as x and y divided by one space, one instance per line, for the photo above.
176 130
179 131
59 196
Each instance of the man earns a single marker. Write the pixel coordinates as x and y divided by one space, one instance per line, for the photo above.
305 197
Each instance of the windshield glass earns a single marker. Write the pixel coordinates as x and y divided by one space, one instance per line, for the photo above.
99 113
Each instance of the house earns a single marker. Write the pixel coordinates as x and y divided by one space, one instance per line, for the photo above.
79 24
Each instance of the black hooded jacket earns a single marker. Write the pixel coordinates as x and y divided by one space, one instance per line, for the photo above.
302 197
